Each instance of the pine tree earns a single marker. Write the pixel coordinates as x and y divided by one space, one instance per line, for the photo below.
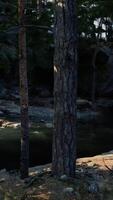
65 89
23 91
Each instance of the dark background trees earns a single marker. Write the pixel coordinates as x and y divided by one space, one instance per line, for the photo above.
39 42
95 24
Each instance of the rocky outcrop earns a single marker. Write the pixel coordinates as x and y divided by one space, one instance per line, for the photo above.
11 109
45 114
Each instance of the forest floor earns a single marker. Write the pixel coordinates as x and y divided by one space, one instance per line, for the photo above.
94 181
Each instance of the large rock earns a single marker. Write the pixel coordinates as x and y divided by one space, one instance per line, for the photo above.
37 113
45 114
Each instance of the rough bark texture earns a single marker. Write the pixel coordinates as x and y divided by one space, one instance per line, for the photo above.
65 89
23 91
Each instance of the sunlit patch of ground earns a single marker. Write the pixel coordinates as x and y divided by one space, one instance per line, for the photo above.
94 181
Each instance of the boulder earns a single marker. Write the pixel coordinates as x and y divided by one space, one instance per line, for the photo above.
68 190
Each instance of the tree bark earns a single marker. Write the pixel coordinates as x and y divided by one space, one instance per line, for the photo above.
65 89
23 92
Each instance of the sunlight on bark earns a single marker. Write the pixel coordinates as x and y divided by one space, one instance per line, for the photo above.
55 69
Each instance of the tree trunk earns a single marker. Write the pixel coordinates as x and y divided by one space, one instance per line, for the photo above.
23 91
65 89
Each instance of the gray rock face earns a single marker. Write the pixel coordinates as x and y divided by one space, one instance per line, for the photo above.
45 114
68 190
38 113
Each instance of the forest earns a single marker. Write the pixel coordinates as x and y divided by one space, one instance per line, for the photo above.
56 100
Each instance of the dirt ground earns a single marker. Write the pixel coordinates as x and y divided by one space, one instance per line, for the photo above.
93 181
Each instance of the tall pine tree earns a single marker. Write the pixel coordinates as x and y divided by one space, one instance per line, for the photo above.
23 91
65 89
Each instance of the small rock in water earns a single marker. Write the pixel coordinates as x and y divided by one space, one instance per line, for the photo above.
64 177
68 190
49 125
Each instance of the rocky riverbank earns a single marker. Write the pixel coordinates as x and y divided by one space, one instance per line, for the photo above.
11 109
94 181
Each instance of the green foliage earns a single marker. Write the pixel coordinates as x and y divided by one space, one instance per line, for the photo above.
90 11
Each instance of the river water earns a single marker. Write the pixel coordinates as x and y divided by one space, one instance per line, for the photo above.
93 137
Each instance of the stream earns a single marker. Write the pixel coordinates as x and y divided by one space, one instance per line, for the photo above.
94 134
